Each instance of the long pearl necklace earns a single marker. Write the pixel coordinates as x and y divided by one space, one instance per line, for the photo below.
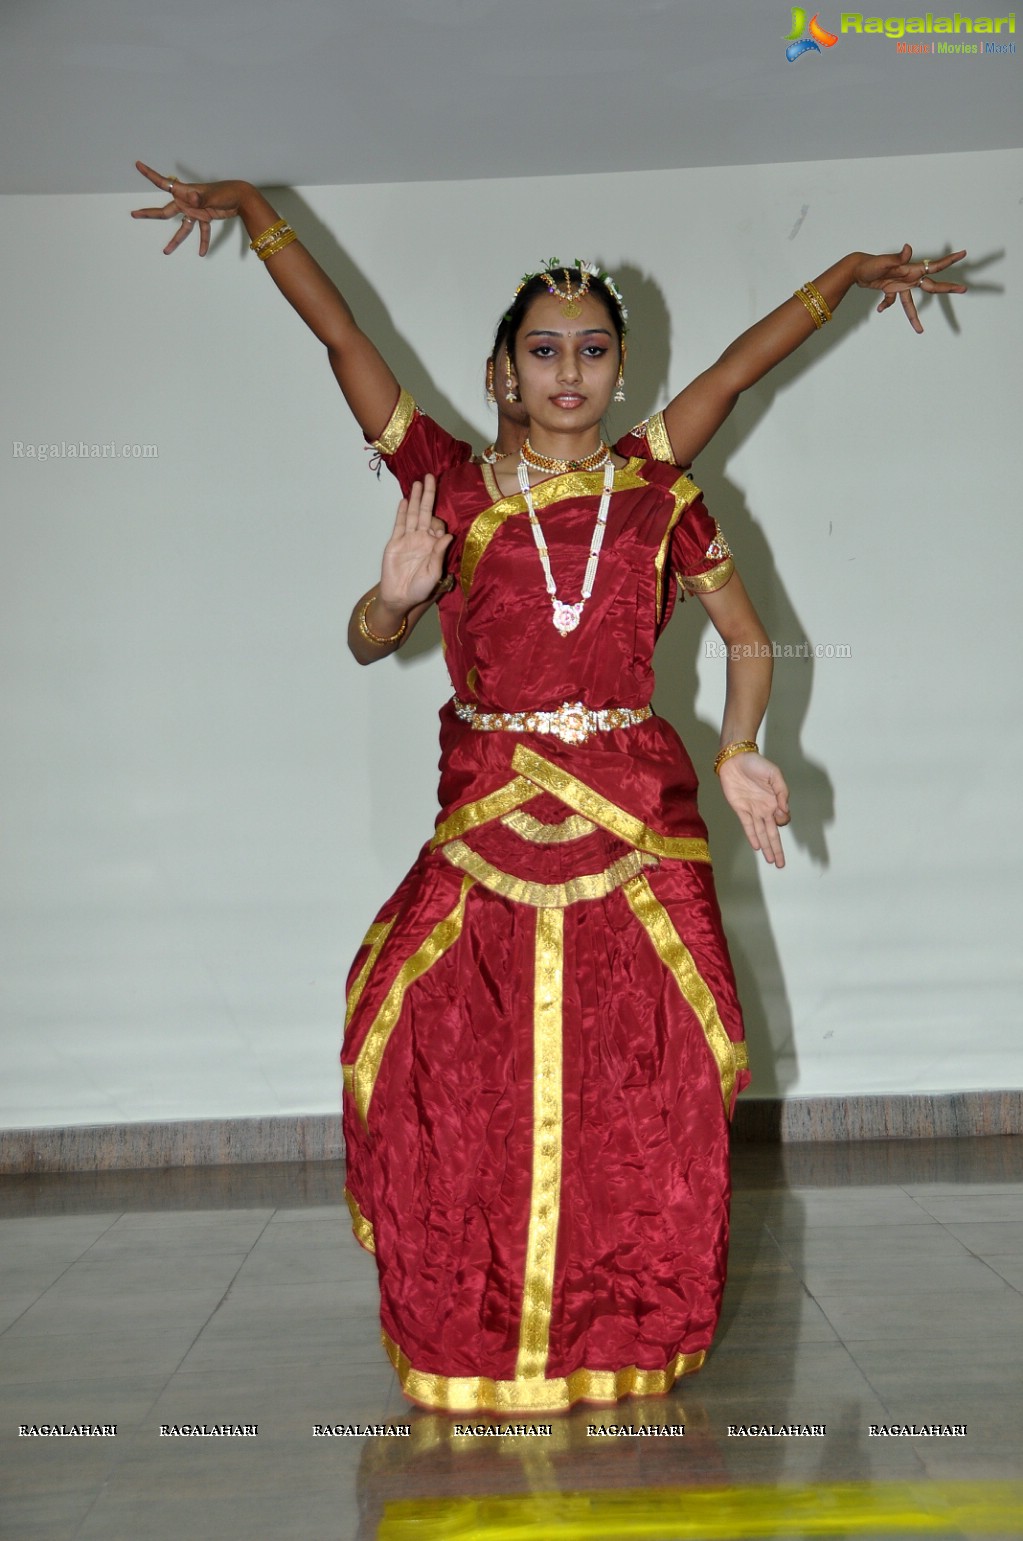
566 617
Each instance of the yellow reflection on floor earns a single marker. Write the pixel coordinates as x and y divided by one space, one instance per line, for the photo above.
715 1514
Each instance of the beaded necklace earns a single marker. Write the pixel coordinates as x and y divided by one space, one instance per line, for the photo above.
566 618
595 462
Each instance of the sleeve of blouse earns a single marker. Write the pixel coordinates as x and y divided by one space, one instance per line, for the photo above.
413 445
701 560
649 440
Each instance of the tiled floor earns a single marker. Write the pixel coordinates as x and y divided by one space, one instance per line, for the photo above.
869 1284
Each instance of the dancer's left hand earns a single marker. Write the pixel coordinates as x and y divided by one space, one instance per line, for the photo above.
897 274
755 788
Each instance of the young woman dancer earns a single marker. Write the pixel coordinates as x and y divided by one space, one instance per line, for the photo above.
543 1044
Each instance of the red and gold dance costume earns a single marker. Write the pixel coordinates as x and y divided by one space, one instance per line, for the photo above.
543 1041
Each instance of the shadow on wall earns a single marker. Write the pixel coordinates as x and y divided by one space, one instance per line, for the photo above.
739 871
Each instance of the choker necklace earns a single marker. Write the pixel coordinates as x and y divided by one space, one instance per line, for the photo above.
566 617
594 462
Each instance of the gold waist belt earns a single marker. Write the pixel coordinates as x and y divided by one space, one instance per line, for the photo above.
573 723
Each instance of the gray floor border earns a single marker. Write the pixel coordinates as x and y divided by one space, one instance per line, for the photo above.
317 1137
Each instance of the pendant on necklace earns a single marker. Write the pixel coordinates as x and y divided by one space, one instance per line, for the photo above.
566 617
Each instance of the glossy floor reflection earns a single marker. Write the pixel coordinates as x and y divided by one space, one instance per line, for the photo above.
870 1285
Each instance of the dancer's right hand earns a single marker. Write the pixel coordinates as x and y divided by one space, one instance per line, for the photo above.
194 203
413 563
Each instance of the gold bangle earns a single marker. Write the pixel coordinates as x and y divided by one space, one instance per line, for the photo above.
818 299
811 309
368 632
740 746
284 239
816 304
268 234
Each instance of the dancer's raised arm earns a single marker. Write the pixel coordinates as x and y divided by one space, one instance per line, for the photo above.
694 416
364 376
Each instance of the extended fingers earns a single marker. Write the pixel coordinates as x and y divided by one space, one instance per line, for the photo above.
909 306
939 264
165 211
401 517
155 177
179 235
424 508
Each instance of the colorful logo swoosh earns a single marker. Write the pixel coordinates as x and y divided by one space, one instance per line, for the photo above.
819 37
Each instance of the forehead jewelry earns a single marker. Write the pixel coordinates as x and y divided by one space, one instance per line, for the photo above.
570 307
568 295
565 618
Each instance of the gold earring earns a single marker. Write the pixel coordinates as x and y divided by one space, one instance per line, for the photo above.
510 388
619 394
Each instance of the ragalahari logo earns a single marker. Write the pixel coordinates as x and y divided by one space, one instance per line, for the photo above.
798 44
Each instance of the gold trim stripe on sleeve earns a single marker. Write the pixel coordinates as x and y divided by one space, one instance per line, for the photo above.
545 1199
390 441
657 439
361 1227
472 815
367 1065
478 1393
545 896
709 582
575 827
684 491
695 991
374 939
583 799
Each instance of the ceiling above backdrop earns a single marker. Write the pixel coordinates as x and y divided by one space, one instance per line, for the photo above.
416 90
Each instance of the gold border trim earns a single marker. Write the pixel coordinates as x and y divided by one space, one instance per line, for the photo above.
469 1393
583 799
490 481
695 991
547 896
361 1227
573 484
707 583
398 425
367 1062
658 441
375 938
545 1197
471 815
684 491
575 827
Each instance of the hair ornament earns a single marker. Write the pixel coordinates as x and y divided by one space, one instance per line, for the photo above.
565 291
